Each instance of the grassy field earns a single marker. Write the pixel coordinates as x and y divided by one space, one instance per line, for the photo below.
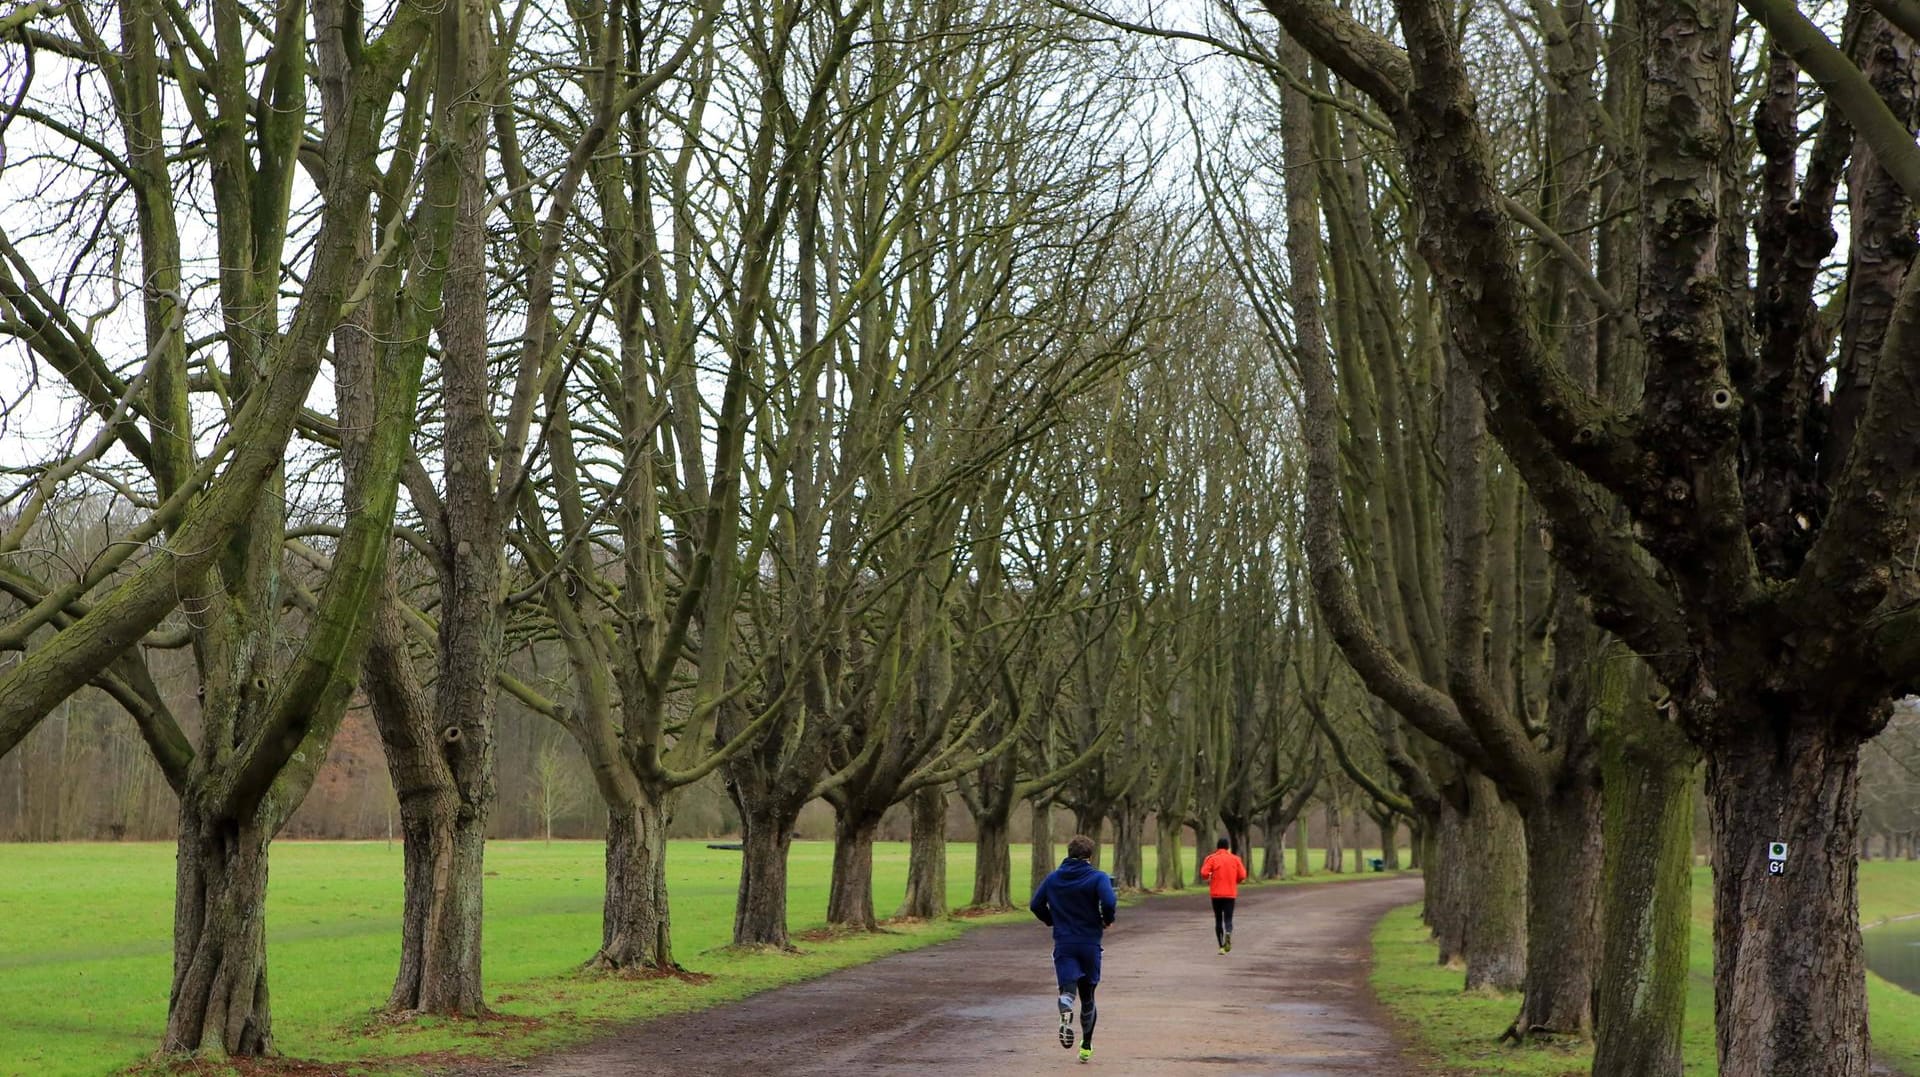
1459 1029
85 953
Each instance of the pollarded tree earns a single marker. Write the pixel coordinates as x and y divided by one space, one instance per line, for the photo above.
640 553
1044 571
1755 569
998 315
1370 493
440 745
272 690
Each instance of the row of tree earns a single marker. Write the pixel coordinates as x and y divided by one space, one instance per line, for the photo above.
879 402
1608 472
807 397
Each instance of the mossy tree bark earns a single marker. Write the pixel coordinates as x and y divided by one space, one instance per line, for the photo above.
1494 939
1040 861
927 856
1647 896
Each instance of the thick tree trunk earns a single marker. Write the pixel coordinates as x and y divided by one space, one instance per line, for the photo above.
1563 846
1167 873
635 931
760 910
927 856
1129 869
1789 979
1239 836
850 891
1302 867
1446 881
1040 855
218 1004
1390 844
1419 846
443 848
1496 930
1646 900
992 865
1273 850
443 834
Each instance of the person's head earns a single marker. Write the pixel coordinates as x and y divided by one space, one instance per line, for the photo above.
1223 844
1080 847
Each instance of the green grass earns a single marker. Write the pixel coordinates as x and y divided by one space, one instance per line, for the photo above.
1458 1029
85 955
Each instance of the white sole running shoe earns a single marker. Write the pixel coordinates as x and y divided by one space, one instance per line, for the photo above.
1066 1021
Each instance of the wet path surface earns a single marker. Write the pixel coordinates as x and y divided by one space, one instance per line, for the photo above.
1290 1001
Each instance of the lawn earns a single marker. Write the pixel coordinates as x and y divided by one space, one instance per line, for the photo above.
85 953
1459 1029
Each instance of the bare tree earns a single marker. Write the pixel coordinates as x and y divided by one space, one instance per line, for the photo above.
1757 576
271 689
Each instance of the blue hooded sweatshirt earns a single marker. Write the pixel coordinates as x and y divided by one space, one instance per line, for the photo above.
1076 900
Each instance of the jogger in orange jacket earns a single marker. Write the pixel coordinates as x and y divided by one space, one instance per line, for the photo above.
1224 873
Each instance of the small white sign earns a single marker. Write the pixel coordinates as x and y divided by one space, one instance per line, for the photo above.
1776 867
1777 851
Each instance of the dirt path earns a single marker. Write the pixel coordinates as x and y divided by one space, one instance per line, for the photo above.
1290 1001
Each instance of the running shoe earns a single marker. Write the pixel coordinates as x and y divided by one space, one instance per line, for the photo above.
1086 1054
1066 1024
1227 946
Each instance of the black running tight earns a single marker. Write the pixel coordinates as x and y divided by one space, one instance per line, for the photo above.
1222 920
1088 1013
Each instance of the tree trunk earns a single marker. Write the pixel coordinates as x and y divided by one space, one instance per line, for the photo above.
429 746
1129 870
850 893
1167 874
1646 900
927 856
219 999
635 930
443 849
1041 862
1446 882
1302 867
1789 980
1202 846
1334 859
992 865
1563 847
1239 836
1390 843
1419 846
1092 824
1496 932
1273 850
760 910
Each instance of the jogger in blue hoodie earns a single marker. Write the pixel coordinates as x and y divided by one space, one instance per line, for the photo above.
1077 900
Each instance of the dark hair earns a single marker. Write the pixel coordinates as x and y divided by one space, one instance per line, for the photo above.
1223 844
1080 848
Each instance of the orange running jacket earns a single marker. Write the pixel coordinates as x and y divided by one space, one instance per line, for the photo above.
1224 873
